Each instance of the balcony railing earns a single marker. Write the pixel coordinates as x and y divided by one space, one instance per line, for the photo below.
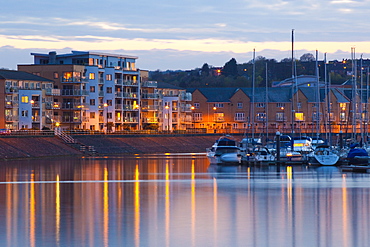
130 119
130 95
35 104
129 83
50 105
149 84
239 119
198 119
150 120
118 81
35 119
118 106
11 118
74 92
150 96
75 79
118 94
11 90
101 81
150 108
52 91
280 119
130 107
101 93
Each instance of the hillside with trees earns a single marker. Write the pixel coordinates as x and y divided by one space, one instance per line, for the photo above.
233 74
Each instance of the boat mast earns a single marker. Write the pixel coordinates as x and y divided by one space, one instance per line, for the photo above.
253 82
361 100
266 105
354 93
317 98
367 102
293 83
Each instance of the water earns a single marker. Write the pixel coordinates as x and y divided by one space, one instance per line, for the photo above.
179 200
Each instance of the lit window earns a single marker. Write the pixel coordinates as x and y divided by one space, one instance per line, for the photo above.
299 116
92 76
24 99
108 77
240 105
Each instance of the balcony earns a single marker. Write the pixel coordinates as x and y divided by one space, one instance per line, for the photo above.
150 120
130 95
70 119
149 84
130 120
35 104
219 119
130 107
118 107
118 81
72 80
198 119
129 83
11 90
10 104
150 96
35 119
280 119
101 93
74 92
52 106
186 97
185 108
101 81
52 92
150 108
11 118
118 94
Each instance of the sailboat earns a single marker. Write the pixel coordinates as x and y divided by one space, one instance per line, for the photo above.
323 153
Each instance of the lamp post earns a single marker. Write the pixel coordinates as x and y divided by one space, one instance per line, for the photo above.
167 107
106 117
70 115
192 116
80 107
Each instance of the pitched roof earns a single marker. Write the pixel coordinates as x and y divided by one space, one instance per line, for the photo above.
278 94
218 94
20 75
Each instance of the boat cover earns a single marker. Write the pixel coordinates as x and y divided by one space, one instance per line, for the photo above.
357 152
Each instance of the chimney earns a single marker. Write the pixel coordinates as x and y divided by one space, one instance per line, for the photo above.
52 57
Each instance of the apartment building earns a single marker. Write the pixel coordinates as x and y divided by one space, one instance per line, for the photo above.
175 103
98 91
24 100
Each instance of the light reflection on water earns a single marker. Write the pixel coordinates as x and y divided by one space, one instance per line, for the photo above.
179 200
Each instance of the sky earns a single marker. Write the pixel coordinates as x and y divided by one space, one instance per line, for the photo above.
172 35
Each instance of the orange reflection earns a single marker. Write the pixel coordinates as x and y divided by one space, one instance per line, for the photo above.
137 206
193 203
57 209
215 209
289 171
32 211
345 211
106 208
167 205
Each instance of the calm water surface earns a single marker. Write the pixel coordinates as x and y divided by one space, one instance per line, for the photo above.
179 200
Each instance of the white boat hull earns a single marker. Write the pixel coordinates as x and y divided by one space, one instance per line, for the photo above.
325 160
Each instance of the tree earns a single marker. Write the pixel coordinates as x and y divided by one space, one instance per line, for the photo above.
205 70
307 57
230 68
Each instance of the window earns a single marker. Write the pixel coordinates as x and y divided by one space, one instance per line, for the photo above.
316 116
109 89
67 76
219 105
108 77
280 105
235 125
260 105
92 89
280 116
196 105
342 106
219 116
299 105
24 99
24 113
240 105
56 75
109 102
109 115
198 117
92 101
342 116
239 116
36 73
299 116
92 114
261 116
92 76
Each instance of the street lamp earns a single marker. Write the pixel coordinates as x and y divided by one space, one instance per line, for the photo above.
192 116
106 117
70 115
168 117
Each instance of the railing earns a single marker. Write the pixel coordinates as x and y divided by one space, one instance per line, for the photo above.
35 104
74 92
130 107
11 90
52 91
150 108
239 119
151 120
118 94
130 119
130 95
75 79
150 96
11 118
50 105
129 83
280 119
118 81
101 93
149 84
101 81
35 119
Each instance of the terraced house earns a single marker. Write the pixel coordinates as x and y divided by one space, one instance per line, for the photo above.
303 110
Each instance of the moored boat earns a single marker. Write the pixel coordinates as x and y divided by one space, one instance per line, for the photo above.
224 151
323 155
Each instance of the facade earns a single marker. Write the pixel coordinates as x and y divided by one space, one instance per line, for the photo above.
24 100
279 109
99 91
176 107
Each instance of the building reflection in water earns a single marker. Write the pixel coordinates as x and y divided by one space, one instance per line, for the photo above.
176 200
